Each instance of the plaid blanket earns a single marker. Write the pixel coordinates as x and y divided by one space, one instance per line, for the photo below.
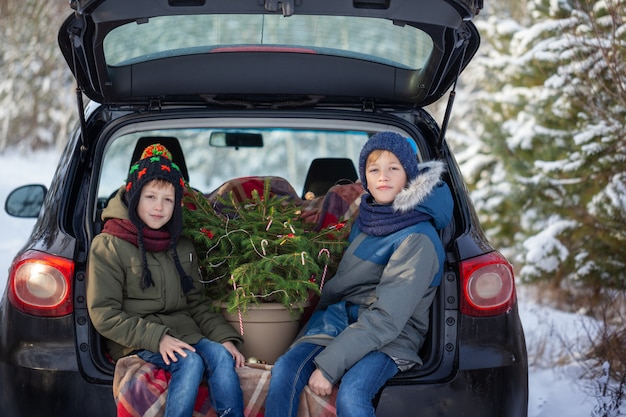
243 187
340 203
140 389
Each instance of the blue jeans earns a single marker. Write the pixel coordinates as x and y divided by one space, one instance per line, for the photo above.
358 386
210 359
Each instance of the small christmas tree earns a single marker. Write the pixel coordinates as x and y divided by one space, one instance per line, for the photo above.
260 249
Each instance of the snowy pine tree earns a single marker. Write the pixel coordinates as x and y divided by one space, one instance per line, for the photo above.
548 170
37 104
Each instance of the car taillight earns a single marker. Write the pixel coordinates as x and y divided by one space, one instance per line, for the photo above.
488 285
40 284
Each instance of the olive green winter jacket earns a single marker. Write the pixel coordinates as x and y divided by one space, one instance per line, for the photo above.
131 318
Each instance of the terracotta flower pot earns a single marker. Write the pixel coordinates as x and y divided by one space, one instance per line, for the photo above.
268 330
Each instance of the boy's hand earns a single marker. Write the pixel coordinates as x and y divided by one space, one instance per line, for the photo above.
240 360
169 346
319 384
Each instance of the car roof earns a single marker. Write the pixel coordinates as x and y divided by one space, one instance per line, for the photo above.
406 52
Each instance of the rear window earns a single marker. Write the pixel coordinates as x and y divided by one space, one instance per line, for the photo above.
370 39
214 156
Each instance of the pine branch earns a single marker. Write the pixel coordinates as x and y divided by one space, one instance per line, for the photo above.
259 249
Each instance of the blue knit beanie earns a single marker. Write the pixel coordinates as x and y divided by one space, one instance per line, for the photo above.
403 148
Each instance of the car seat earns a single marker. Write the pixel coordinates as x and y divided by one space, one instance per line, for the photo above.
326 172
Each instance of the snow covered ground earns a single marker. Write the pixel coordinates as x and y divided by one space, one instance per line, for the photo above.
554 390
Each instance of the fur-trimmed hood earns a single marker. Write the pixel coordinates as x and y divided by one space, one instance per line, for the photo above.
428 194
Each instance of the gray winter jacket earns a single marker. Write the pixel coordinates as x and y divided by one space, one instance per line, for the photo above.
392 279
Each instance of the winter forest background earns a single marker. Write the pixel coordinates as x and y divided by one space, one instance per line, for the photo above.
538 128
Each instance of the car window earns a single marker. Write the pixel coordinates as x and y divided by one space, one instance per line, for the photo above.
214 156
363 38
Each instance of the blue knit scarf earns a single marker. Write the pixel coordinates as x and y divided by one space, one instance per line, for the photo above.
382 220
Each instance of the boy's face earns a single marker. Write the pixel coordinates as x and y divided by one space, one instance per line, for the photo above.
156 204
385 177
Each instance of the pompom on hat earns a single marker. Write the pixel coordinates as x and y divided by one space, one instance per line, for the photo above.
156 164
403 148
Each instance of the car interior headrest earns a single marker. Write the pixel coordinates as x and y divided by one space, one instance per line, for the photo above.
326 172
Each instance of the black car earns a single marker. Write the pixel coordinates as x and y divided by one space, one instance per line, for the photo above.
255 88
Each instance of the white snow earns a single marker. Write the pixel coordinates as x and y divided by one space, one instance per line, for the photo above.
544 250
552 335
17 170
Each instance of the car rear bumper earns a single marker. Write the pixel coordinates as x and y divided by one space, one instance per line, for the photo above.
492 392
39 371
28 392
489 377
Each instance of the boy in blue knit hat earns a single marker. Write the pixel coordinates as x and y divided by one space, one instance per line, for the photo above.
373 315
144 291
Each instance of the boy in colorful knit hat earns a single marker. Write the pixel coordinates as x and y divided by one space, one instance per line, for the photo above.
373 315
144 292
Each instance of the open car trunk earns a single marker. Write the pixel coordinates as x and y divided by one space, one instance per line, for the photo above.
217 158
314 51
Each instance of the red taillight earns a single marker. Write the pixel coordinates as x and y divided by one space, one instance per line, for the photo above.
488 285
40 284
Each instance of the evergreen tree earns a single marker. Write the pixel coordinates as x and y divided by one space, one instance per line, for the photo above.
548 169
37 104
260 249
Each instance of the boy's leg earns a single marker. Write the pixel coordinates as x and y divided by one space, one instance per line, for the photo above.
290 375
224 387
186 374
362 382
